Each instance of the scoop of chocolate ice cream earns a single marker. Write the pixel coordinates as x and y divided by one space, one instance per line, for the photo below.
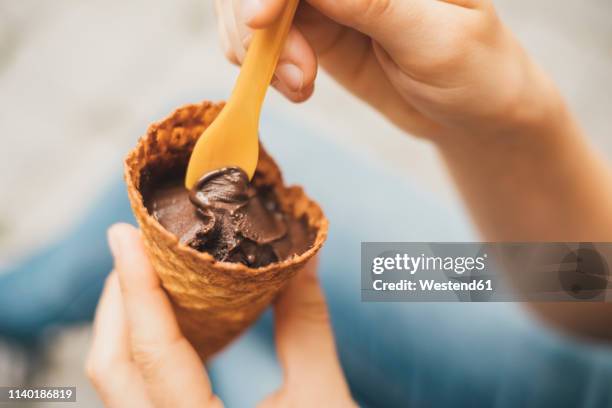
228 217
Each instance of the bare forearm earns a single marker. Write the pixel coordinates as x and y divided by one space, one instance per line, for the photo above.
542 182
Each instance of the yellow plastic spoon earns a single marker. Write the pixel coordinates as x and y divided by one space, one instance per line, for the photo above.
233 138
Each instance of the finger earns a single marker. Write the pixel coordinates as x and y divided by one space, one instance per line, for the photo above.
344 53
110 329
260 13
297 66
143 296
108 366
387 21
233 32
223 31
347 56
171 368
243 31
305 343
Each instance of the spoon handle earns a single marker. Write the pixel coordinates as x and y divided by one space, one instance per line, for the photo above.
261 59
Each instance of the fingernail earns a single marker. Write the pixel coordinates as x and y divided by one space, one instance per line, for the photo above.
115 241
249 9
291 76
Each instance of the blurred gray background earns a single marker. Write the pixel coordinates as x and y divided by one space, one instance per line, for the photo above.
81 80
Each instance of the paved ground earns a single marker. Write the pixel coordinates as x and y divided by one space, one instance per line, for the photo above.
79 82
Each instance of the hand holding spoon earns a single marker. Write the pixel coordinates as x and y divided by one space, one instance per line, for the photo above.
233 138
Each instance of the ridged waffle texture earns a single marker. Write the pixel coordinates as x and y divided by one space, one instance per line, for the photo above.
214 301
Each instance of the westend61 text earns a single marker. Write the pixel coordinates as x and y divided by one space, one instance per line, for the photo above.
431 285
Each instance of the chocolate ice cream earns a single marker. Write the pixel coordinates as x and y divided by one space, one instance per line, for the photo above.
229 217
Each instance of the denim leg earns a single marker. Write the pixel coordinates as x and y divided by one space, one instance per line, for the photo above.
62 282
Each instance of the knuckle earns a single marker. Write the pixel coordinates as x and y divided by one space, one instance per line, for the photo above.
147 358
95 371
451 59
372 9
315 313
477 28
448 55
445 61
309 278
151 356
457 44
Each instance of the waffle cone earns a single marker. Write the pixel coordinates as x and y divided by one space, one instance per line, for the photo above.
214 301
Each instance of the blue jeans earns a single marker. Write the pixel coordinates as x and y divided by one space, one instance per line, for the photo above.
394 354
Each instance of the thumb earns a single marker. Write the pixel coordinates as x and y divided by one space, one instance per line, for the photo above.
304 339
170 367
386 21
260 13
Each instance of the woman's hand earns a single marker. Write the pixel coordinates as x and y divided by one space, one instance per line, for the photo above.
139 358
433 67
